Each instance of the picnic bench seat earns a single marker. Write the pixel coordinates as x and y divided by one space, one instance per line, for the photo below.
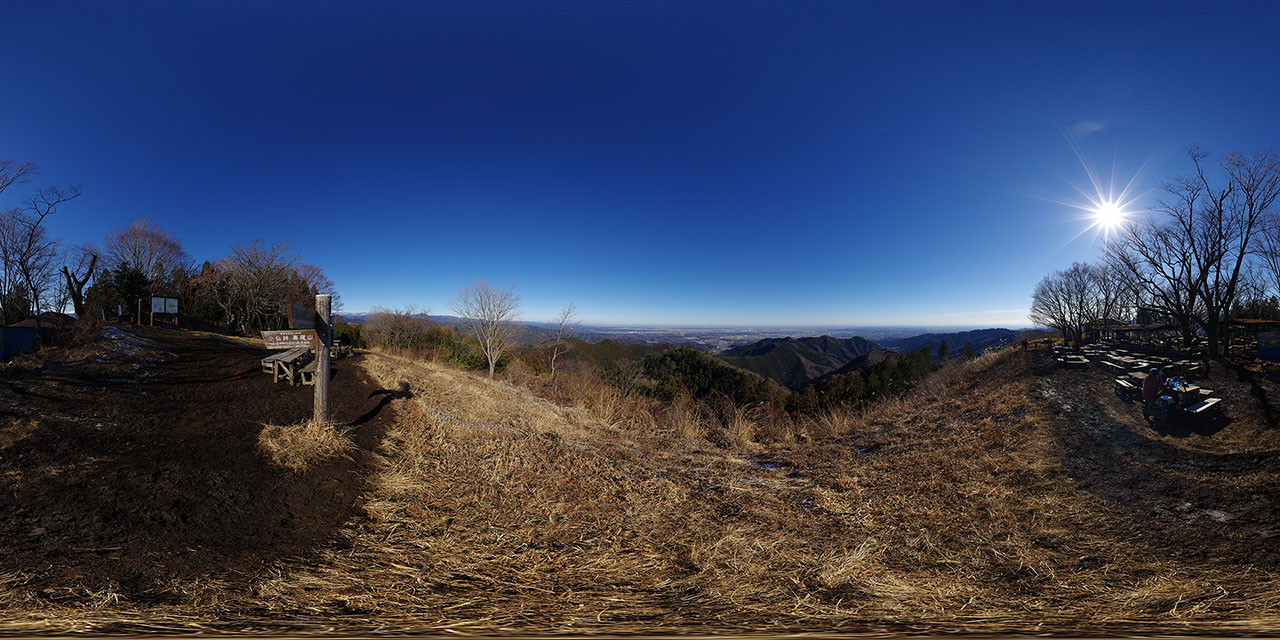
1205 406
1125 389
309 373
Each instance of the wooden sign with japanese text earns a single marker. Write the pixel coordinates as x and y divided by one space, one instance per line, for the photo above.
289 338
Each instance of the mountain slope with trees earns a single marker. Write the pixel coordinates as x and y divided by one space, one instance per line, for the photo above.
979 340
793 362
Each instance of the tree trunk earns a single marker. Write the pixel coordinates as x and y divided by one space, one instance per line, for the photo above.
75 285
1211 330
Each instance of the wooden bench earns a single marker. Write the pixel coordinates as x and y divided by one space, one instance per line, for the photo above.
1125 389
309 373
1201 408
286 364
269 362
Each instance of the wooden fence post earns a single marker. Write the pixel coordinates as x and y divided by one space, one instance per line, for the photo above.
324 336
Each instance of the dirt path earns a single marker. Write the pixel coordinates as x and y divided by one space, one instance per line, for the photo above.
1203 492
131 464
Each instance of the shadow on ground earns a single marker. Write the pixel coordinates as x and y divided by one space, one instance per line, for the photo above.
1194 487
131 480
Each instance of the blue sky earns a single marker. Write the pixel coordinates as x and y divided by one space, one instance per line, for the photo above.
798 163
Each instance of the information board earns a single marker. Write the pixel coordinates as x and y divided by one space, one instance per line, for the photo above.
164 305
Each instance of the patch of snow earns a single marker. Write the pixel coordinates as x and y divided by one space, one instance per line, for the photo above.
121 345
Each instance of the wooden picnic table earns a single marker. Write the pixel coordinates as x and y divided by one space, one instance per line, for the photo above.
269 362
286 364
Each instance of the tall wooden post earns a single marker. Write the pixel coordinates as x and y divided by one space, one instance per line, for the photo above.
324 336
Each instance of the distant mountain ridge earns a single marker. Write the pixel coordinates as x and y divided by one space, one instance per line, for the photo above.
981 339
793 362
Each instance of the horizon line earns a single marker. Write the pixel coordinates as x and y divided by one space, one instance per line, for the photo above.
712 325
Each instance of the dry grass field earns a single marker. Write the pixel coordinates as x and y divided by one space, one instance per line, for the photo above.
1000 496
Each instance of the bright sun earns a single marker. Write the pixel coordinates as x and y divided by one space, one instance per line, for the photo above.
1108 215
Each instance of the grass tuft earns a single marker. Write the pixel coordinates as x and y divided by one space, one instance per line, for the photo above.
299 447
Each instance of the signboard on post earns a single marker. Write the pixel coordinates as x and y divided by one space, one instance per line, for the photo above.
301 317
309 328
160 305
289 338
164 305
325 335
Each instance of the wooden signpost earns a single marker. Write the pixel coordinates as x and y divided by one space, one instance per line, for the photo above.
324 330
312 329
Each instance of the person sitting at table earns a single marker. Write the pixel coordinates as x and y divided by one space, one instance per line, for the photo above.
1152 386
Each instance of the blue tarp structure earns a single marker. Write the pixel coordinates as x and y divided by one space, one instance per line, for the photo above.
1269 346
15 340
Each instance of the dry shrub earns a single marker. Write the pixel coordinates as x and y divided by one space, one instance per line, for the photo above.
681 419
298 447
739 428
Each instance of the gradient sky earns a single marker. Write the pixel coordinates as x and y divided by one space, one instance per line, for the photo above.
740 163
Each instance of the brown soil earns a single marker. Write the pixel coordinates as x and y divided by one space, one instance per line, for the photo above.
1198 489
131 464
1004 495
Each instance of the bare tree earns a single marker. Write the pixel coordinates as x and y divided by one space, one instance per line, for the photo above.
83 257
488 313
11 289
1254 185
1050 306
566 325
36 253
401 330
1189 263
1269 251
1165 261
316 282
254 280
144 246
1113 292
1070 300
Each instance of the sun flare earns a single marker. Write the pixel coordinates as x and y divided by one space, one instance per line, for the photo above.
1108 215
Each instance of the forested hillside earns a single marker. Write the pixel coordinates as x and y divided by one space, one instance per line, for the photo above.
978 340
793 362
